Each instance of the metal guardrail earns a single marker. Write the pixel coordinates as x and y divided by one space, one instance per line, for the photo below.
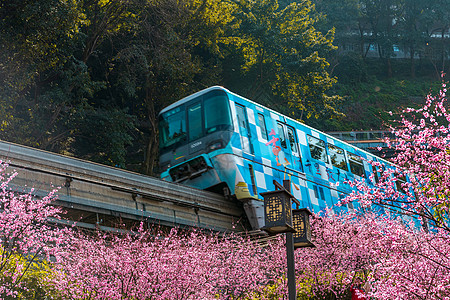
369 140
103 196
369 135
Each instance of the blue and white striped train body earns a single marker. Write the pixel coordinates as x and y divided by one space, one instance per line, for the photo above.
216 139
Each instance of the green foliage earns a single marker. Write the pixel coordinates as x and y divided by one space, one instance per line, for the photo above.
102 135
44 83
305 288
87 78
391 30
283 56
368 103
341 15
34 36
35 277
351 69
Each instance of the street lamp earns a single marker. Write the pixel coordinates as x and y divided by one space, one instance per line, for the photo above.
278 211
280 218
300 220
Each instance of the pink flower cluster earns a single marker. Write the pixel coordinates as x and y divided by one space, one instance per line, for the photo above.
24 232
150 264
397 260
419 184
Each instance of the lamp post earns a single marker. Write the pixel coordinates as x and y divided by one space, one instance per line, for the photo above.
280 218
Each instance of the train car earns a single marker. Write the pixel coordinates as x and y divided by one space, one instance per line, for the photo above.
220 141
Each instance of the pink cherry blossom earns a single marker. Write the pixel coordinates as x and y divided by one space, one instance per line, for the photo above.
25 232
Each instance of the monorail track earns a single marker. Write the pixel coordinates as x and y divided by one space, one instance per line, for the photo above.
98 196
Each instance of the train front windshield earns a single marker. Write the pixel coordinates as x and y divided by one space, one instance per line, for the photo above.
193 120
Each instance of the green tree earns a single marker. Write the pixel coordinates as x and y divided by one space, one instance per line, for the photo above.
284 56
382 17
33 40
413 31
36 282
438 21
46 84
343 15
172 52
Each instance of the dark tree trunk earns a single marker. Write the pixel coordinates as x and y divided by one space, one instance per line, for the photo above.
151 152
389 67
443 49
412 62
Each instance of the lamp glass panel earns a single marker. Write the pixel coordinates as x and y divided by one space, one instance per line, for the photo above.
299 225
274 208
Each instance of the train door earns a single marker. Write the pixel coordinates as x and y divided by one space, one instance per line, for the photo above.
244 129
195 126
296 156
319 157
289 148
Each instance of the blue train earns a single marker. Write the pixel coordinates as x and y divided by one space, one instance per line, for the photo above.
220 141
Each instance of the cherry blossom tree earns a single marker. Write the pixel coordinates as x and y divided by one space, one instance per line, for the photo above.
400 261
342 252
396 259
156 265
418 184
25 233
409 262
412 264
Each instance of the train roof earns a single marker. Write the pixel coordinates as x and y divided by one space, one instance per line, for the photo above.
192 96
216 87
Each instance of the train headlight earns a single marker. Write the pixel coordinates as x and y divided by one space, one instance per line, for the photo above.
164 166
215 146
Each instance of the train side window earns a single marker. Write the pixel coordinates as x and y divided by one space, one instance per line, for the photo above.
317 149
337 156
195 121
292 139
375 174
356 164
262 126
244 128
401 179
282 136
350 206
318 192
241 117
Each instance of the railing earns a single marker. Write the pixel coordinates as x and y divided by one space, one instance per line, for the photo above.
369 140
372 135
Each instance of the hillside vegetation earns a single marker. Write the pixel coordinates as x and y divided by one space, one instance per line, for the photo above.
87 78
370 96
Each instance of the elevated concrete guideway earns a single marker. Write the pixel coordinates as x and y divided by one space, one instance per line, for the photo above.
95 195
